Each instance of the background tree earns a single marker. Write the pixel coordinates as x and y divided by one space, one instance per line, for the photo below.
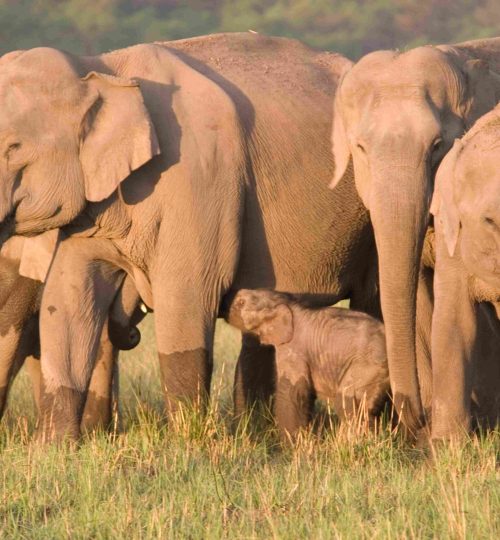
353 27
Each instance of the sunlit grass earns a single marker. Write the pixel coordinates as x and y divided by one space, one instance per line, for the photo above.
209 479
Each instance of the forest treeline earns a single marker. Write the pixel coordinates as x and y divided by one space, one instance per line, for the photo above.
353 27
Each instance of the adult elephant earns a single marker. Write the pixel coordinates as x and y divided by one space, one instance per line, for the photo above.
199 167
466 213
396 115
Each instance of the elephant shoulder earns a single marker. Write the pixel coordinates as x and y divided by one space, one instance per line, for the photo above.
174 82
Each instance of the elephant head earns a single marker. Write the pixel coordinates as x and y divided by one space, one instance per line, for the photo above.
264 313
67 136
395 116
466 200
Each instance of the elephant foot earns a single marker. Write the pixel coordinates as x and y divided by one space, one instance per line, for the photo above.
97 414
423 440
186 379
408 419
59 417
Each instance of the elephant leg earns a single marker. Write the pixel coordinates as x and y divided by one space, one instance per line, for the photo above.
486 368
255 375
18 326
79 290
365 295
16 345
453 336
188 285
184 334
294 395
9 344
28 354
425 307
32 366
98 411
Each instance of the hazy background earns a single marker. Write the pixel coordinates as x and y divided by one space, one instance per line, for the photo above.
353 27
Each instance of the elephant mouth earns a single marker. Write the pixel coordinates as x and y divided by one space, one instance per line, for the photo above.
7 226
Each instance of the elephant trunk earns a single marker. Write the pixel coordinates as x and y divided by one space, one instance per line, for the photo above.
399 206
125 313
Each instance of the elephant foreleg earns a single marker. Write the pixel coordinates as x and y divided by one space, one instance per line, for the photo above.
294 395
184 333
425 306
194 268
19 342
10 363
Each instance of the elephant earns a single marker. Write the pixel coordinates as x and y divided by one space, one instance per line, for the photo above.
20 299
465 326
338 355
198 167
396 114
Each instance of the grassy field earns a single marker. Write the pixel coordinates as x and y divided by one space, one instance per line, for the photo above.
202 480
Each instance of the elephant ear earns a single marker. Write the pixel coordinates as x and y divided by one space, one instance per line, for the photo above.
278 327
37 254
483 89
340 146
443 206
117 134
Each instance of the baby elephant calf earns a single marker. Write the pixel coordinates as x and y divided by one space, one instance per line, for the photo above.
335 354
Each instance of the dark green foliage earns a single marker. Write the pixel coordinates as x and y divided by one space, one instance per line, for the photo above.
353 27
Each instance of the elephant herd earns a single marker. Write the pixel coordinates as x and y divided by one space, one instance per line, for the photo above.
172 175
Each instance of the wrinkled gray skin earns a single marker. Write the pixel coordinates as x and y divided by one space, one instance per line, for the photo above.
396 115
334 354
221 154
20 299
466 208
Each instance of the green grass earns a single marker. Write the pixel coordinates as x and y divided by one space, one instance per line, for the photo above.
198 479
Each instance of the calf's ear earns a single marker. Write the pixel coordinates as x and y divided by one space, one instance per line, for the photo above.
443 206
277 329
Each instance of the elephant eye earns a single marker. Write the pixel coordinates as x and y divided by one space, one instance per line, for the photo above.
359 146
490 221
436 145
436 152
12 148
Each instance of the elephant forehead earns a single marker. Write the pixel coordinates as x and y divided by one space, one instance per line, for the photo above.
44 64
416 73
478 175
30 85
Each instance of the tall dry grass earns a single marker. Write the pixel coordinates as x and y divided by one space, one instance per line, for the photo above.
209 479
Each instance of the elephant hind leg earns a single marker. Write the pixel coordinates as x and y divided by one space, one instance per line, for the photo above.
255 376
